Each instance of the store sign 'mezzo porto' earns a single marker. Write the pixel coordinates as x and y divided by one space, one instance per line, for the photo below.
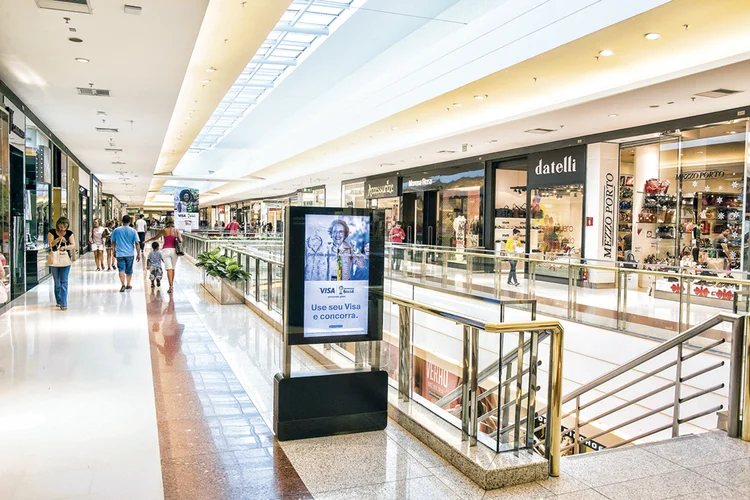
558 168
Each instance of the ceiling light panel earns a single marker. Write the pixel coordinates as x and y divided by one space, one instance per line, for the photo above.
303 24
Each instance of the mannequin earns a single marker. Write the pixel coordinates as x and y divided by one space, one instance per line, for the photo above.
459 228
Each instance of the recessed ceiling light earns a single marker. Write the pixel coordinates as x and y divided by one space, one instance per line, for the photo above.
394 128
206 81
613 115
652 36
606 53
75 39
210 70
457 104
82 60
481 97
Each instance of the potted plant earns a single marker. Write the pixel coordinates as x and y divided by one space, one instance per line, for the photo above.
220 272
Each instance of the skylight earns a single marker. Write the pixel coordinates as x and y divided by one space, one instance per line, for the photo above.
302 28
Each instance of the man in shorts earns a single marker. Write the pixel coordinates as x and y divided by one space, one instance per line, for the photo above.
127 246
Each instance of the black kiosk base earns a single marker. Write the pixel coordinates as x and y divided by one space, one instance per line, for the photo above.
307 406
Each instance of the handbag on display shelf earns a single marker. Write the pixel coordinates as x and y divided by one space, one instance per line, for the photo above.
646 217
503 211
656 186
626 205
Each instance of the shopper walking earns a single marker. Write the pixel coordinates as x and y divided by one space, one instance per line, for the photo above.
513 247
126 246
141 226
96 240
155 261
233 227
397 235
108 245
168 252
61 243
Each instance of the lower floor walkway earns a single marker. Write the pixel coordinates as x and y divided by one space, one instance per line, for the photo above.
146 395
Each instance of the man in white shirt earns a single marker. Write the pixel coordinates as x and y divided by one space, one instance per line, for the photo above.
140 226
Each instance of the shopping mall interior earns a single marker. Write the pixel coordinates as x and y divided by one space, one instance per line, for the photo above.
374 249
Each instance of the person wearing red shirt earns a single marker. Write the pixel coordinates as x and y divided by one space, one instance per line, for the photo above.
397 236
233 227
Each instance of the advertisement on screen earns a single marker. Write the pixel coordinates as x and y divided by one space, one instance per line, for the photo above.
339 257
337 262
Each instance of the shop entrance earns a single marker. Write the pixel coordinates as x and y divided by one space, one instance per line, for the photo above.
84 221
420 214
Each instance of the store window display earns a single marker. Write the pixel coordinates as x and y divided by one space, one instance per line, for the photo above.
556 215
688 206
353 195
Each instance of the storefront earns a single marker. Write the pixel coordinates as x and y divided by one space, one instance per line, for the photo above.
542 195
353 194
682 203
444 206
384 193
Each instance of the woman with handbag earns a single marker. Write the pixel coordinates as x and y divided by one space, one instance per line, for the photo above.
170 250
61 241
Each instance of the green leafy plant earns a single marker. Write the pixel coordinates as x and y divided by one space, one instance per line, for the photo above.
221 266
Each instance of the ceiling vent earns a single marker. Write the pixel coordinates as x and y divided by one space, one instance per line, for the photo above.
118 163
114 150
715 94
80 6
539 131
94 92
107 129
445 152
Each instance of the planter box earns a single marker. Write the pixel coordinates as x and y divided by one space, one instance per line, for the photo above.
222 290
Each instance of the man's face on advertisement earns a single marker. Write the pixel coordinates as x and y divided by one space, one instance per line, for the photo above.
338 234
186 197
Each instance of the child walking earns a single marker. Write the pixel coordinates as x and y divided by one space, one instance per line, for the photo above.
155 261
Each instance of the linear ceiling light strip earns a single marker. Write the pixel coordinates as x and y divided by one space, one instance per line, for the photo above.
300 27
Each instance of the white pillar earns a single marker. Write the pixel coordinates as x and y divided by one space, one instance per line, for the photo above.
602 199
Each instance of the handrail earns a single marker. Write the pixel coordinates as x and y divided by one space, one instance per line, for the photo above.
653 353
735 384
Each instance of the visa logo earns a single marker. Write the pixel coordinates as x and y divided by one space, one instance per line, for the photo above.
328 290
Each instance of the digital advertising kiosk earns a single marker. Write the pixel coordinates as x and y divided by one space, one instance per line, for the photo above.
333 293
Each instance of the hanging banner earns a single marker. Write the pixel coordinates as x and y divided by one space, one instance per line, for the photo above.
186 208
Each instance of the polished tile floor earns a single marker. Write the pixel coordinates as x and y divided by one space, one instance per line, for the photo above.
77 411
145 395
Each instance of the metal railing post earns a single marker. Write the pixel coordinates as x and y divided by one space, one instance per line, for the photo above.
577 445
680 310
621 283
445 270
570 291
269 281
466 385
257 280
677 392
404 353
498 278
746 405
554 401
474 385
735 378
469 272
423 268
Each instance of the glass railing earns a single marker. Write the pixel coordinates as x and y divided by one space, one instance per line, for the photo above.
652 300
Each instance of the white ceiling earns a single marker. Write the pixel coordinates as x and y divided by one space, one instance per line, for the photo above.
141 59
378 64
632 109
569 75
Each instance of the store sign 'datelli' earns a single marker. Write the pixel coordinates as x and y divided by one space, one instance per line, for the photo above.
559 167
384 187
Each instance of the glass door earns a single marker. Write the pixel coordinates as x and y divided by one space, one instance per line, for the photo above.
85 229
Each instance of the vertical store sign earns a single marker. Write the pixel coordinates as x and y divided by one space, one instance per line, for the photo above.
609 196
